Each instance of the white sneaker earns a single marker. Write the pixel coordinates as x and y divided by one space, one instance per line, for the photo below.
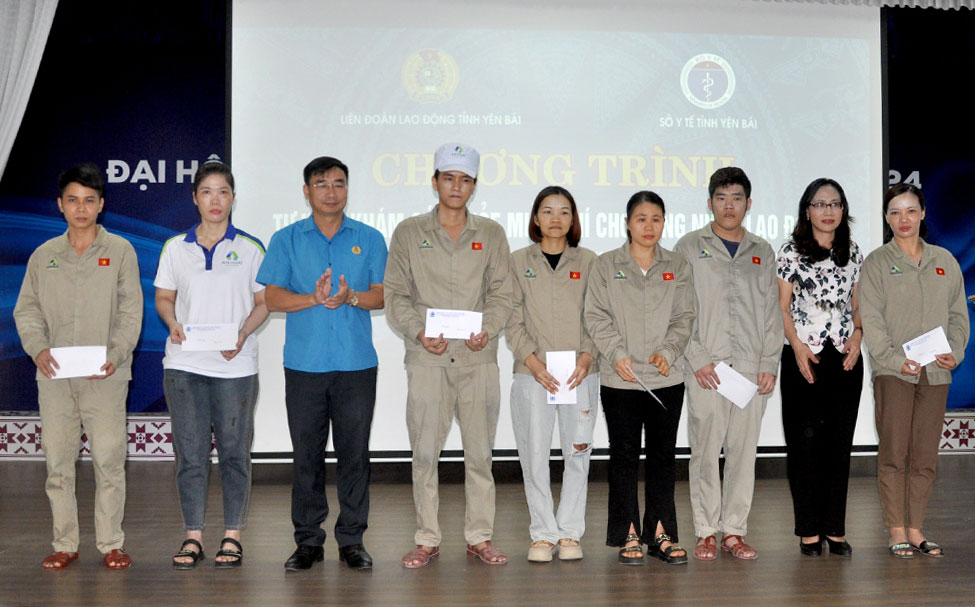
569 550
541 551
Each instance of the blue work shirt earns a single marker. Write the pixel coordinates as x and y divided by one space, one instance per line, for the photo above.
319 340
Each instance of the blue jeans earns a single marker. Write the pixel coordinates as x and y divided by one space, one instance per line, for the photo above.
533 420
197 402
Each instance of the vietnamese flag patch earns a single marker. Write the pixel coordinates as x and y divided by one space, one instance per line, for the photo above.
476 246
575 275
940 271
757 260
668 275
104 261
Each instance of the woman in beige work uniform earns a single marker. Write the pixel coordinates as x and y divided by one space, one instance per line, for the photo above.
550 278
639 311
907 288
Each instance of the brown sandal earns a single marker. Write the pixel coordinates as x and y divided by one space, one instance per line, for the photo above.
418 557
706 548
738 549
488 553
59 560
117 559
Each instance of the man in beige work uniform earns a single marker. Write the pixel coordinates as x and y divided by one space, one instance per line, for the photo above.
738 323
82 289
450 258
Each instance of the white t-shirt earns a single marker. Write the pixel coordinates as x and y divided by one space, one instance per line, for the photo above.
212 287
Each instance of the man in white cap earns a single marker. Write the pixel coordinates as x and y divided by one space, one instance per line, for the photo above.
450 258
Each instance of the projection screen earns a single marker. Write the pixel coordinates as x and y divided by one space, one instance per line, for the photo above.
603 99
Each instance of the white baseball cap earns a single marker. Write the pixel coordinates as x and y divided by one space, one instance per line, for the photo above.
457 157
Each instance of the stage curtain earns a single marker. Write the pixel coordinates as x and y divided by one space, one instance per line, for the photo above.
24 26
945 4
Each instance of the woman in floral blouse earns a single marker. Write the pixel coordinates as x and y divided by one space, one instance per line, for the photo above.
822 374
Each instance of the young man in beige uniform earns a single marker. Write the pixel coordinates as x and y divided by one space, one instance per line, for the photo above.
450 258
82 289
738 322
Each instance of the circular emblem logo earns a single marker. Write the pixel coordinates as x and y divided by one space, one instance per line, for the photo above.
430 76
356 250
707 81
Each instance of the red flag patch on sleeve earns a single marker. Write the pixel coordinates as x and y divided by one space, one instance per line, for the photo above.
477 246
575 275
104 261
757 260
668 275
940 271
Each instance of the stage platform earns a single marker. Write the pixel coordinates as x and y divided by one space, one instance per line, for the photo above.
780 576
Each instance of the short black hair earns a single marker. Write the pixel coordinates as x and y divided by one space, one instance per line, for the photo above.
321 164
87 174
212 167
729 176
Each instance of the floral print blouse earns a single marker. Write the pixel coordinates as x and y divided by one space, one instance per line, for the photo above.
822 295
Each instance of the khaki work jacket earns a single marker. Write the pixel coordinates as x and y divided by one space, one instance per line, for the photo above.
426 269
900 301
633 316
547 313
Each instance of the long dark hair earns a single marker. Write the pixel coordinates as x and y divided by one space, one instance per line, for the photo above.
802 234
894 192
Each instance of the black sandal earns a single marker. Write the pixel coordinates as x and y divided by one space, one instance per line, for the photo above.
237 555
631 560
666 554
191 554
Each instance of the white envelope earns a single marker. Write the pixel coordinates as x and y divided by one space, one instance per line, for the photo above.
209 337
560 365
79 361
453 324
922 349
734 386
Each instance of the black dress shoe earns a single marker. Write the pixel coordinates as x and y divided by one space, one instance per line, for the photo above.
811 549
304 557
355 556
840 548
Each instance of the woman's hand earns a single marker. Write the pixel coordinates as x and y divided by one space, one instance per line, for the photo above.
624 370
805 358
912 368
663 367
541 374
852 349
583 361
945 361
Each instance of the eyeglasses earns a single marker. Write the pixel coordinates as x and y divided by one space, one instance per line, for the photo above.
832 206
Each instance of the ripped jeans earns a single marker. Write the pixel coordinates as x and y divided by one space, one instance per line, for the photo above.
197 402
533 420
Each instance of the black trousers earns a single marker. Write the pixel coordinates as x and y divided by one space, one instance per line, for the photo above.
630 413
819 420
345 400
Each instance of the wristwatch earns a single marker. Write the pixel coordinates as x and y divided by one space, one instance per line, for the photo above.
354 302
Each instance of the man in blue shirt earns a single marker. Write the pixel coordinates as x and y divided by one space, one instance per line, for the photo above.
326 273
